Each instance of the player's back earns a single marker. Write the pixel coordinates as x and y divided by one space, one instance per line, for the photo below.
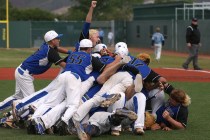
141 66
80 63
38 63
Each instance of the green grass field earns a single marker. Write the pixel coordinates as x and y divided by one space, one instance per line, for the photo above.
199 111
14 57
197 129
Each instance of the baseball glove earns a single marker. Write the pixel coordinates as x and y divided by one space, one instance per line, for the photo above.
149 120
144 57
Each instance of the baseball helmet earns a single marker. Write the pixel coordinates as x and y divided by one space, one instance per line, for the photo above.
85 43
99 47
50 35
121 45
122 51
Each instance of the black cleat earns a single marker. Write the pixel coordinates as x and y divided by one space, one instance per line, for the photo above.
185 66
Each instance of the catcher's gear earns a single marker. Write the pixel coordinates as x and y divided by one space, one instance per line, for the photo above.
144 57
149 120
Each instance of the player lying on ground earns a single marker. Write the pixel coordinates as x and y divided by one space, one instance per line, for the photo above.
174 114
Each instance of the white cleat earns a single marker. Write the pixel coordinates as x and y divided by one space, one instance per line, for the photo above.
138 83
110 100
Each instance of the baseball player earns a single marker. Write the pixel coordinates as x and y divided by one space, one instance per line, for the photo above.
174 114
88 33
154 94
138 101
157 43
48 119
78 67
36 64
84 34
36 99
115 84
101 122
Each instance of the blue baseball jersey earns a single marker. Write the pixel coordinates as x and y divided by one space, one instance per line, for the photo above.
157 38
83 64
79 62
173 111
178 113
42 60
107 59
141 66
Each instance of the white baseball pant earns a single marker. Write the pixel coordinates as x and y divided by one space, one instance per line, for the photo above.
124 79
72 90
157 49
67 86
24 87
158 100
137 104
101 120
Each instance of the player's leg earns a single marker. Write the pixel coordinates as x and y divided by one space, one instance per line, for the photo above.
51 117
138 103
101 120
155 51
73 90
118 104
158 51
119 77
56 96
25 82
6 103
115 87
158 100
86 85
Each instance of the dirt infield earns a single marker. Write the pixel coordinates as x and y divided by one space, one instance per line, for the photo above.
170 73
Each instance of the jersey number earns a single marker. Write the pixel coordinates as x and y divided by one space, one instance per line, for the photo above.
76 58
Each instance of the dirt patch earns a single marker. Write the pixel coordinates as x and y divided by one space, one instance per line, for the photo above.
169 73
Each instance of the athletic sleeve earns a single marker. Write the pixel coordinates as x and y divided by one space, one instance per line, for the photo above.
85 31
97 64
188 33
130 68
152 77
54 57
183 115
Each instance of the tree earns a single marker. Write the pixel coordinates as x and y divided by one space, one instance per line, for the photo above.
105 10
30 14
33 14
166 1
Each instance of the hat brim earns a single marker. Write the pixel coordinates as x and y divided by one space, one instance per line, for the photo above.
59 35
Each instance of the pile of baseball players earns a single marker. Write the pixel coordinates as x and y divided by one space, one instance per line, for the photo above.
97 91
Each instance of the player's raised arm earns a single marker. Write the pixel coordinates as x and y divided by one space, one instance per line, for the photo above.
90 12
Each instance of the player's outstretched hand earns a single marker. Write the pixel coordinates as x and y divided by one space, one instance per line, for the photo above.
93 4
